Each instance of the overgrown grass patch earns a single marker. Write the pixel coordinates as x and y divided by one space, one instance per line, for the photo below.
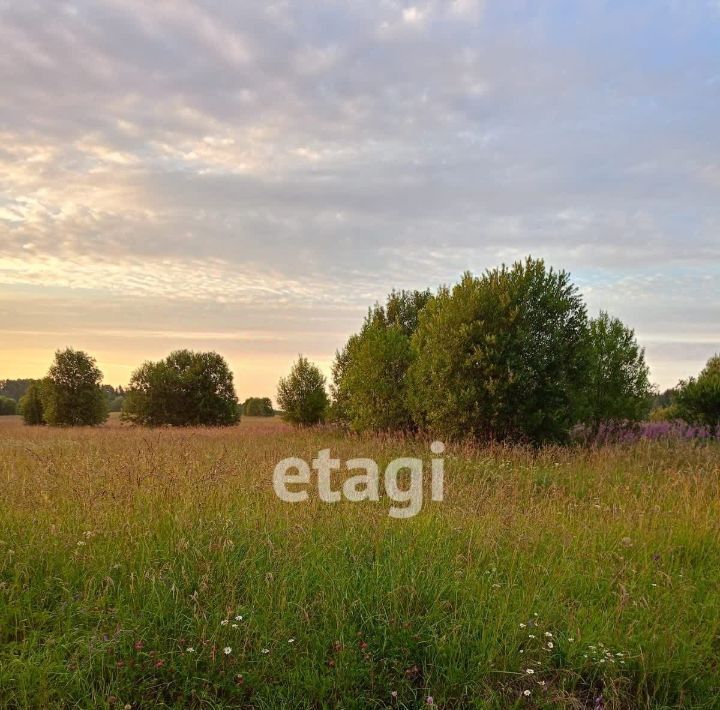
127 558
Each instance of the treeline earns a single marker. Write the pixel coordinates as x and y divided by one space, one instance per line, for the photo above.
185 389
509 355
13 391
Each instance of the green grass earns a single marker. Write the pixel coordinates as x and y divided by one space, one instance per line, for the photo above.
121 548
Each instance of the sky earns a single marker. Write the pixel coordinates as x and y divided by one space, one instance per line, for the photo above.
248 177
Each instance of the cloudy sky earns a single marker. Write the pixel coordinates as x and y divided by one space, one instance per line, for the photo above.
249 176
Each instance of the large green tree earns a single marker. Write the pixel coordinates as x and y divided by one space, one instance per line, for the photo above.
503 356
370 373
301 395
185 389
71 393
619 386
698 399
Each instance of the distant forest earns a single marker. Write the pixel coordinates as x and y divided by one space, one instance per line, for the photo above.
253 406
15 389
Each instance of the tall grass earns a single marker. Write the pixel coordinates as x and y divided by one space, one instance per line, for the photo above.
123 549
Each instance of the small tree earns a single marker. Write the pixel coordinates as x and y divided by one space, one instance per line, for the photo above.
373 384
30 405
71 393
8 406
698 399
370 373
301 395
185 389
619 386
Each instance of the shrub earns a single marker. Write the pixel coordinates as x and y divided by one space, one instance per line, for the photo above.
698 400
665 414
301 395
185 389
503 356
619 387
370 374
30 405
258 407
8 406
71 393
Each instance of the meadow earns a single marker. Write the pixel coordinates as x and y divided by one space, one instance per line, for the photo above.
157 568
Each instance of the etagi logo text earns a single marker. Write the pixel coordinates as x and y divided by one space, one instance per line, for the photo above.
295 472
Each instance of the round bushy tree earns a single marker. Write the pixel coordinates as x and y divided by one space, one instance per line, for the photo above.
619 386
698 399
30 405
503 356
301 395
186 389
71 392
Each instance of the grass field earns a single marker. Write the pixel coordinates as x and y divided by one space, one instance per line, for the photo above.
590 578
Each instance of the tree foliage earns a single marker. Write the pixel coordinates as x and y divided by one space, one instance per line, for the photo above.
115 397
502 356
369 388
698 399
71 392
185 389
7 406
301 395
30 405
258 407
664 399
619 385
508 355
15 388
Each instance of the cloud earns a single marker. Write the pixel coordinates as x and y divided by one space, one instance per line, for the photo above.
297 155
